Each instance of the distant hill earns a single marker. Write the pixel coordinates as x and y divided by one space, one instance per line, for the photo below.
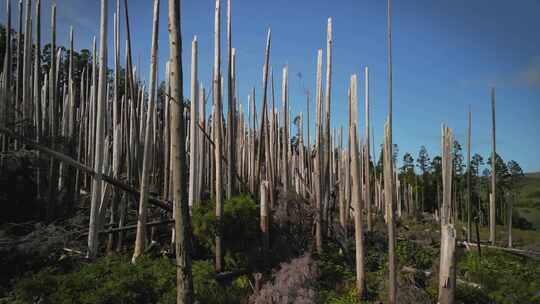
528 203
533 174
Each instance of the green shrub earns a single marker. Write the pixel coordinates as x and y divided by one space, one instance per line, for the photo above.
116 280
240 227
414 255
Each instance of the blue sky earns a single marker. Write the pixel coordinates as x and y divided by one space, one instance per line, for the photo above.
447 54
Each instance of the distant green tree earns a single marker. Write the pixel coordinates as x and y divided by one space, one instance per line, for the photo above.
423 163
407 169
436 177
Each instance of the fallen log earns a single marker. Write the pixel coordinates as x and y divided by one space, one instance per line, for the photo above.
225 277
522 252
70 161
131 227
409 269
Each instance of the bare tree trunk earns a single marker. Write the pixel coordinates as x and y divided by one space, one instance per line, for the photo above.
37 88
193 142
328 148
367 161
265 220
217 135
492 202
231 110
469 196
388 174
447 269
320 159
510 205
285 157
184 278
101 99
140 240
389 199
357 198
9 107
53 106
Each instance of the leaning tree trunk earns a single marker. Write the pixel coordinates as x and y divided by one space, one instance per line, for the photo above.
447 269
184 278
101 99
140 240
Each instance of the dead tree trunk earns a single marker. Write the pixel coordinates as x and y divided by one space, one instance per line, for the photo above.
447 269
140 241
367 160
492 202
231 110
264 220
356 173
319 158
388 174
194 130
217 135
184 278
469 196
101 99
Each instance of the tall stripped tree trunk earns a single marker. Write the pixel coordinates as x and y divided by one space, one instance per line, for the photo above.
231 110
194 130
388 174
510 203
117 124
389 203
217 135
328 147
202 144
469 196
140 240
285 157
367 160
25 77
356 173
319 158
19 68
53 106
101 99
264 220
184 278
9 107
447 269
493 197
37 91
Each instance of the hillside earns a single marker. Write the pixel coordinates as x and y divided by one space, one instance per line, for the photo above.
528 204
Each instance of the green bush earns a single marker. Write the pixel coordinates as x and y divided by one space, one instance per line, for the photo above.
240 228
116 280
107 280
414 255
